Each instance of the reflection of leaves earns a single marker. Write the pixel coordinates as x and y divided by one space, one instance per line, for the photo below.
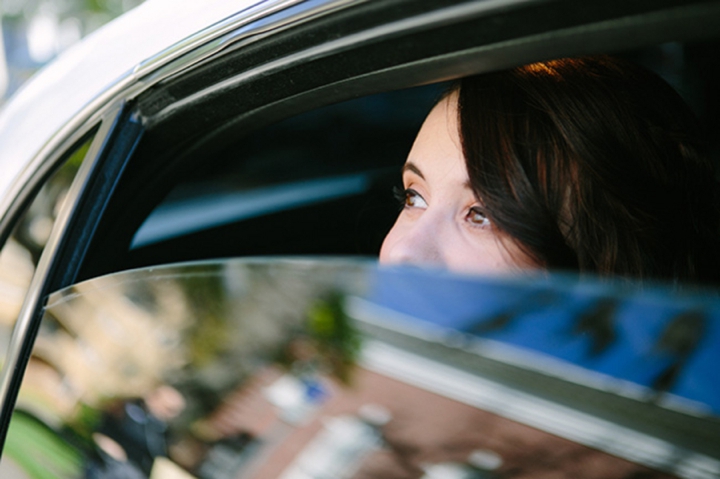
209 337
683 333
337 340
503 319
66 174
599 323
87 417
680 339
85 421
496 323
45 205
322 321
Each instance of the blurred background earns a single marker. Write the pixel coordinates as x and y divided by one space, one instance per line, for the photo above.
36 31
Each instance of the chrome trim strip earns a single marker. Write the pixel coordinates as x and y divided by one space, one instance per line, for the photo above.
249 15
23 325
528 360
234 32
436 18
172 61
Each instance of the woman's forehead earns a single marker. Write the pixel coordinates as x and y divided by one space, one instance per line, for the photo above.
437 153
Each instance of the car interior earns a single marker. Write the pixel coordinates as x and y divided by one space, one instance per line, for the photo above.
317 183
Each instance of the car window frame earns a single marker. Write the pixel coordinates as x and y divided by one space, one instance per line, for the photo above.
117 131
41 284
183 114
94 182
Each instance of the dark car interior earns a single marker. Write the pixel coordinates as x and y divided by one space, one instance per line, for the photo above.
317 183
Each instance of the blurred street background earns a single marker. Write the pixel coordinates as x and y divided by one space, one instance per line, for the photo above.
36 31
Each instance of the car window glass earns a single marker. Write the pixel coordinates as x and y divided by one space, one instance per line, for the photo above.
316 183
323 178
312 369
21 252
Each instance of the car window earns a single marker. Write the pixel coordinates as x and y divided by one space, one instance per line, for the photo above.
21 252
328 368
316 182
327 154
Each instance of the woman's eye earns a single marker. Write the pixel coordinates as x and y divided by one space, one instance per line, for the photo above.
409 198
477 216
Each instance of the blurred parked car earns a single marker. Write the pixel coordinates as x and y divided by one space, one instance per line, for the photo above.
183 133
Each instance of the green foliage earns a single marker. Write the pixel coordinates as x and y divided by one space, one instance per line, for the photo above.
85 422
209 337
337 341
65 175
40 451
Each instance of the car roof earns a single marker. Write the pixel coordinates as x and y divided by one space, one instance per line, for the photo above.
113 57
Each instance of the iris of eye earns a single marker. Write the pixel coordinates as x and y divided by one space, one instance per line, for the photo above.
412 199
477 217
408 198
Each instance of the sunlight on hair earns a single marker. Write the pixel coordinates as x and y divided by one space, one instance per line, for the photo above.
542 67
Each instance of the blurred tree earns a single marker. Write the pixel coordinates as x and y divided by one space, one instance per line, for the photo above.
36 31
334 333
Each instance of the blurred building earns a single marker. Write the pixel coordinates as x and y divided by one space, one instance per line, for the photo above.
34 32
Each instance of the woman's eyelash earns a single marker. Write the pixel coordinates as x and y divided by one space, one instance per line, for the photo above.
400 195
406 197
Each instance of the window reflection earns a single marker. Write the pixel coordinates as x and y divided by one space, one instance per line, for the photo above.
300 369
21 252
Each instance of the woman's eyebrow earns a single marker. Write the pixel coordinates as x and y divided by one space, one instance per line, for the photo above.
410 166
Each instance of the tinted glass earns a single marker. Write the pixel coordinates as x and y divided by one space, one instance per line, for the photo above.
21 252
332 369
323 178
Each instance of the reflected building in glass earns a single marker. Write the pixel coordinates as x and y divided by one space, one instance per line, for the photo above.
300 369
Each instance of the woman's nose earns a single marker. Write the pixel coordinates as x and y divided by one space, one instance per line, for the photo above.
418 243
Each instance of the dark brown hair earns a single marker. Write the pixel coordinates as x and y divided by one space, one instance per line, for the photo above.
592 164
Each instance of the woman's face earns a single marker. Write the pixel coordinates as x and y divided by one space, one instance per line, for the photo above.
442 223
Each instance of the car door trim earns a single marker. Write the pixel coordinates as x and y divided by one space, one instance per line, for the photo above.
26 325
143 76
562 39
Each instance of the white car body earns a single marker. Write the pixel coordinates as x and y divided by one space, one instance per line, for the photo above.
112 62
